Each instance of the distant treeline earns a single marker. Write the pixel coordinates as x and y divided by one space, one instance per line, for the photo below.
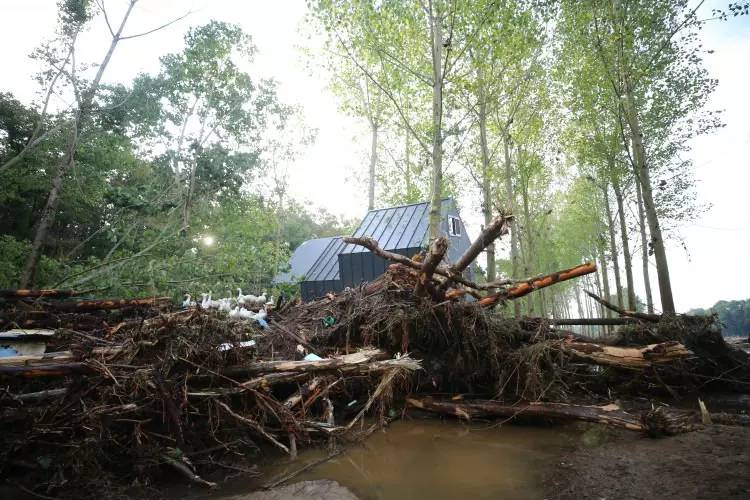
733 314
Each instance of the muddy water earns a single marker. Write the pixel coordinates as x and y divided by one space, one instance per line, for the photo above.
432 459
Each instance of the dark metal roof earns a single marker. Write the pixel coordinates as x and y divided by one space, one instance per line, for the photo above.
398 227
326 266
303 259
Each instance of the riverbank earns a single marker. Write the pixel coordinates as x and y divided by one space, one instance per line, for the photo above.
708 463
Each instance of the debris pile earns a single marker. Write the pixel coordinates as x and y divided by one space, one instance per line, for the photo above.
129 389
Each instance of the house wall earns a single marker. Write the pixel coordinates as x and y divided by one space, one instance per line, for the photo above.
354 268
457 245
311 290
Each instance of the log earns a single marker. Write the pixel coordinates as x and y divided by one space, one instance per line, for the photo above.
56 357
27 334
34 294
79 323
297 397
608 414
498 227
590 321
631 358
337 363
39 396
527 287
96 305
47 370
270 379
435 255
623 312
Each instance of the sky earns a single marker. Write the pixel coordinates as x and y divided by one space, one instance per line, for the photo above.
715 266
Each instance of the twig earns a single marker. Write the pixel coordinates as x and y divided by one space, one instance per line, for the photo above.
286 477
185 471
255 426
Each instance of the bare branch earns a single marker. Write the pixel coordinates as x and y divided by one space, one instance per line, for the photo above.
100 4
165 25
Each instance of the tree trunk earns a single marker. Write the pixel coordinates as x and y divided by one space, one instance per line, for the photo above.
514 223
599 291
644 247
373 163
407 165
642 171
609 414
625 244
613 248
605 285
486 185
436 34
578 301
53 199
527 233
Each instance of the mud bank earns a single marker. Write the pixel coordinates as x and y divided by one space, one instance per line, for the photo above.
709 463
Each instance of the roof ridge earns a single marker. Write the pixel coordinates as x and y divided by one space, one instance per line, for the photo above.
447 198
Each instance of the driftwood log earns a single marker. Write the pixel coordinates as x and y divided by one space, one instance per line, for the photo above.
609 414
630 358
529 286
35 294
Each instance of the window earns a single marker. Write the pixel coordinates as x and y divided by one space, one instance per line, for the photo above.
454 226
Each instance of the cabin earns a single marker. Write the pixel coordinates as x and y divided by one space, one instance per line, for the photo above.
330 265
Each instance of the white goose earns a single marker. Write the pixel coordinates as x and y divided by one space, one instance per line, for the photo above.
245 299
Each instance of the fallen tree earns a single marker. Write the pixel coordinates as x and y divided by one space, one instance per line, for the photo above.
138 380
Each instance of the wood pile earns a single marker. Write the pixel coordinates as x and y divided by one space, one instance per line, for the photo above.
128 389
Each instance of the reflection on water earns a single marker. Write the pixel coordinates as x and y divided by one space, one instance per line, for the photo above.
432 459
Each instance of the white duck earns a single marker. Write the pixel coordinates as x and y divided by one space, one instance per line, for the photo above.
188 302
245 299
245 314
271 302
204 302
261 299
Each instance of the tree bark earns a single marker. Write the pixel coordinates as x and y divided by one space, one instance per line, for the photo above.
529 286
629 358
373 163
613 248
625 244
436 35
644 174
486 185
514 224
644 246
609 414
605 280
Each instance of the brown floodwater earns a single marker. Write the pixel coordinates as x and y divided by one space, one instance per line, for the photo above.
431 459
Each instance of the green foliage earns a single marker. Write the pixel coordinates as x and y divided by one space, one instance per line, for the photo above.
733 314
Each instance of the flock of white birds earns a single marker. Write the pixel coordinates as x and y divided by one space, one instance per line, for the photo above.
235 307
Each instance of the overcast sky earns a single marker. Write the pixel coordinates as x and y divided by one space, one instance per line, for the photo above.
716 266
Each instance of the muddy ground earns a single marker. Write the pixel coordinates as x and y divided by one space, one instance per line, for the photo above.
710 463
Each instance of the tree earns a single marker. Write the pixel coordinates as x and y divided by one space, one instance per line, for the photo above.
417 46
60 56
